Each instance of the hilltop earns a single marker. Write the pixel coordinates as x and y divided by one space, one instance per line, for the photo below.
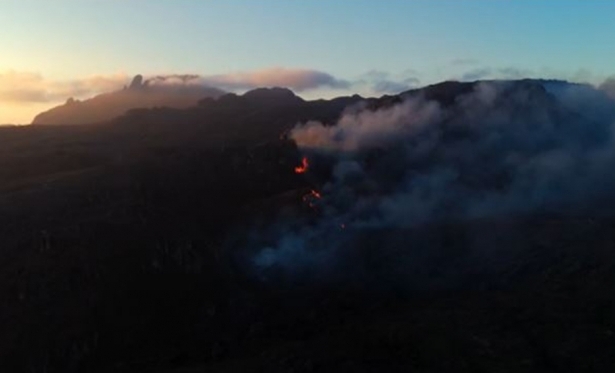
139 94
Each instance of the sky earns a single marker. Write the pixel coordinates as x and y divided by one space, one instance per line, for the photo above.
53 50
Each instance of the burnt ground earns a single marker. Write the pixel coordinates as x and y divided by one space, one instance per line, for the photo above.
115 257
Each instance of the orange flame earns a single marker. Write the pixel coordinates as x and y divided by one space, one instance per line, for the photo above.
304 166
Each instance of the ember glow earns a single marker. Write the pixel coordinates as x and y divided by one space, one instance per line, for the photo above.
304 166
311 197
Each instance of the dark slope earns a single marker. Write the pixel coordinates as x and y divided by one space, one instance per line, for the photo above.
114 258
111 232
258 115
110 238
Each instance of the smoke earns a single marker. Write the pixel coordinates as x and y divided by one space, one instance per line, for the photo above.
404 174
366 129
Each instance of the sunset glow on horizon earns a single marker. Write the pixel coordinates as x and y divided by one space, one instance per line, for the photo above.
318 49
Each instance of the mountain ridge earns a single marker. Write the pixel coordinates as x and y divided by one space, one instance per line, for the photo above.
119 254
143 95
139 93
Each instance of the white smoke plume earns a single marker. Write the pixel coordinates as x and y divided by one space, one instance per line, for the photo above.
505 149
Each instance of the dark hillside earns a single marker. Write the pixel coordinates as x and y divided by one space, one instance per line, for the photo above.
129 246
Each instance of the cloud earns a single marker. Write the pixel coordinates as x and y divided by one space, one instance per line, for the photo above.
27 87
295 79
482 73
382 82
391 86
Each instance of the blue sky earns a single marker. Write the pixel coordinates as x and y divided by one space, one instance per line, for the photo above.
425 40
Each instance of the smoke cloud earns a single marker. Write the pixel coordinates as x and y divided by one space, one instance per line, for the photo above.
401 173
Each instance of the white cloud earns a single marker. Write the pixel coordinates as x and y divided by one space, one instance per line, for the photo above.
17 87
295 79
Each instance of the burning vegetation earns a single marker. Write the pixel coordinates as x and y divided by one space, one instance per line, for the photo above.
311 198
304 166
313 194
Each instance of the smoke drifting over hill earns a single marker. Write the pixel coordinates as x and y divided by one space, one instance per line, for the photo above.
505 149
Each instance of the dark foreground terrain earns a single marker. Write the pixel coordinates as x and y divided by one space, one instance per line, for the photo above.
115 257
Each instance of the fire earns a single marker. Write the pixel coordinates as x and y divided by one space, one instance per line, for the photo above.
311 197
304 166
